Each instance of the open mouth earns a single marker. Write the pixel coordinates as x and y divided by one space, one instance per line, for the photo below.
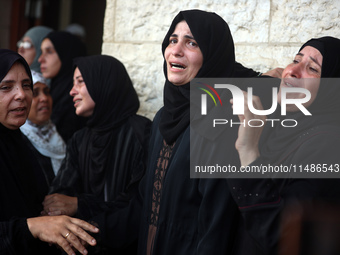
19 109
43 108
291 82
76 102
177 66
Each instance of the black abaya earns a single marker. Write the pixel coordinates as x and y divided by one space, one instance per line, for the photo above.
22 183
106 159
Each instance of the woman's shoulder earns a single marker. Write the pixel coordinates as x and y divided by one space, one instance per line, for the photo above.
78 137
157 117
318 144
320 133
141 128
140 120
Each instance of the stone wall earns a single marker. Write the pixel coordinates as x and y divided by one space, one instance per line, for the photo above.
267 34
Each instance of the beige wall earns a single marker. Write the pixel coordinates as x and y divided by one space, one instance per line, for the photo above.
266 33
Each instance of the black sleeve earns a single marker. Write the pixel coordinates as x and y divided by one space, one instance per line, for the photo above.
244 72
67 180
15 238
90 205
119 223
217 218
262 201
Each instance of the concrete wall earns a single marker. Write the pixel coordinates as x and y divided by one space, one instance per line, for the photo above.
267 34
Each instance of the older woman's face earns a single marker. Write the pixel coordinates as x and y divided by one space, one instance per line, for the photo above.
82 100
15 97
49 60
41 108
28 53
304 72
183 56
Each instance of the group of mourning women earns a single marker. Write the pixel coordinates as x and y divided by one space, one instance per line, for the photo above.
130 179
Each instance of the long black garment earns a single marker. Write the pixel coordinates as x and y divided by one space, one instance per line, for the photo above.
182 227
195 216
44 162
22 183
106 159
316 140
63 115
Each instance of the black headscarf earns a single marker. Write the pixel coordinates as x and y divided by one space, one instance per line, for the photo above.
20 194
325 109
8 58
215 41
68 47
110 87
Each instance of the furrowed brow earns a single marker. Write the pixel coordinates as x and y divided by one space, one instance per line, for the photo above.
189 37
314 60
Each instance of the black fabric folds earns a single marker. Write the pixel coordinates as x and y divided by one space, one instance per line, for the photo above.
107 80
22 183
102 157
63 116
21 192
213 36
8 58
106 159
17 175
314 141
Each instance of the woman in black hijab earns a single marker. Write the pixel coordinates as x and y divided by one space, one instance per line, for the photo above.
22 183
58 51
311 148
180 215
106 159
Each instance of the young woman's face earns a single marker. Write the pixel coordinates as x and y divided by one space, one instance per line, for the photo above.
49 60
15 97
41 108
26 50
304 72
83 102
183 56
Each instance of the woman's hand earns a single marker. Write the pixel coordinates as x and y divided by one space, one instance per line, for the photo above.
58 204
65 231
249 136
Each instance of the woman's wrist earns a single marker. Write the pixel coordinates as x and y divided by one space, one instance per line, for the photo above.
31 226
248 156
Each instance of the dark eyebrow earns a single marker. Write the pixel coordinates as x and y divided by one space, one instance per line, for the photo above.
313 59
13 81
48 48
7 81
189 37
79 76
186 36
